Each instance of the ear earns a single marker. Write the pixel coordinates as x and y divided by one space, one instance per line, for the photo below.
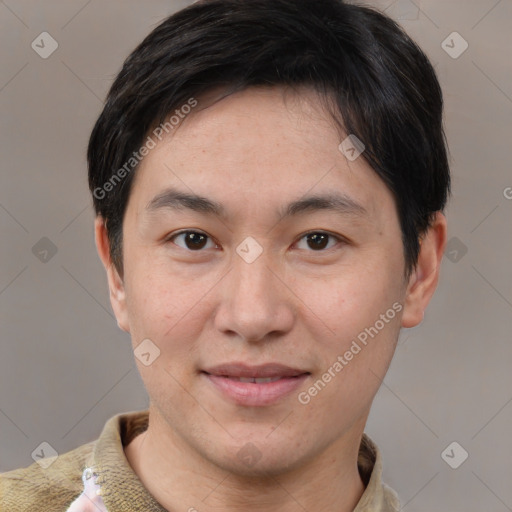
423 280
115 282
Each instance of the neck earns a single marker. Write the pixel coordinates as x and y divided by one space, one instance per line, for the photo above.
180 479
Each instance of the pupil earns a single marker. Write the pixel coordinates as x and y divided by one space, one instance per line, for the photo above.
319 240
192 240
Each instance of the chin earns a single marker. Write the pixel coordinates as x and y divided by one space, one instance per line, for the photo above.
258 458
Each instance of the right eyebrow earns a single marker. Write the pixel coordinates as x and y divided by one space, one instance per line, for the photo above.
174 199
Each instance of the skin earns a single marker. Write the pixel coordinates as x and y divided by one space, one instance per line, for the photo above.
254 152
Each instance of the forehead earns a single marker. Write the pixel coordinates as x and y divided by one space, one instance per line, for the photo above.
265 122
257 146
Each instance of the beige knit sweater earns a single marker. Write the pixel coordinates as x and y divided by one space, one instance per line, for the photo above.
60 486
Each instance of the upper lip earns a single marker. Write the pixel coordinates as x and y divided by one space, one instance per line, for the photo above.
259 371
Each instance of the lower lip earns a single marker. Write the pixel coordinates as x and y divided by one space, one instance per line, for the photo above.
253 394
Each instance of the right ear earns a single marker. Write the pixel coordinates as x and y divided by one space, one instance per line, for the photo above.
115 282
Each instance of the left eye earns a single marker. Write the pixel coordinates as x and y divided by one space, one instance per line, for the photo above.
195 240
318 240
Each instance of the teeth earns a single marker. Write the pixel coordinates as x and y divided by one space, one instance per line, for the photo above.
256 380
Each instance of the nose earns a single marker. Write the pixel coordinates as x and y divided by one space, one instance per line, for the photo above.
255 303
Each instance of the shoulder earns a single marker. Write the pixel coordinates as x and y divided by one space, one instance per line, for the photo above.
42 487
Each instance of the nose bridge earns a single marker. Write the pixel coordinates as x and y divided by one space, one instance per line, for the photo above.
251 274
254 302
252 281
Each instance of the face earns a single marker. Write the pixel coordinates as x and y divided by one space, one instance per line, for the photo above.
243 277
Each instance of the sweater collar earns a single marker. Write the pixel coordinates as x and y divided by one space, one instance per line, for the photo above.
121 489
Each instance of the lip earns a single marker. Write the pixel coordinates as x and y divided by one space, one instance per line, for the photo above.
254 394
250 393
236 369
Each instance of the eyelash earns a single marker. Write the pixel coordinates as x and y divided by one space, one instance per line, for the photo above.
338 239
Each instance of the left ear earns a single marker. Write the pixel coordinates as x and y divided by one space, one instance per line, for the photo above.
423 280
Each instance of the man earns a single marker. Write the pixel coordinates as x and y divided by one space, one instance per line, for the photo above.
269 179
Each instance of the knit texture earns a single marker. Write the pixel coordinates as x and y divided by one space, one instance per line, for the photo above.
54 489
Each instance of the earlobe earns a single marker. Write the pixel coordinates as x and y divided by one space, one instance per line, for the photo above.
115 282
424 279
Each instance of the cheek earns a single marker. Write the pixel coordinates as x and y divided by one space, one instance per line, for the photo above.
152 307
167 307
339 306
344 388
168 312
355 326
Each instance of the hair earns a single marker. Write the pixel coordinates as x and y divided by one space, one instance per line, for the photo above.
384 88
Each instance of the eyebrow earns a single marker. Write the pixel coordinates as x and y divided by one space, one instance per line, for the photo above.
341 204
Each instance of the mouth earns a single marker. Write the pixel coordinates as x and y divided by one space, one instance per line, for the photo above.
255 385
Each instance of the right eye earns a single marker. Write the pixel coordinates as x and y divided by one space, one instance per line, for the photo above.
191 240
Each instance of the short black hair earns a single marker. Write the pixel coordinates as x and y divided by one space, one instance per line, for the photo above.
381 86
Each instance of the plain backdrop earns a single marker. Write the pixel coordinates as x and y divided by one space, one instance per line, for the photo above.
65 367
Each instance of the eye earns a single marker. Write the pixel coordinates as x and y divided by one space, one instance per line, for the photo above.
319 240
192 240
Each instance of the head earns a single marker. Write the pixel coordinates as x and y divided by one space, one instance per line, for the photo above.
269 179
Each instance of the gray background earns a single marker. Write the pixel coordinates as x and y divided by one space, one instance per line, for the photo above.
65 367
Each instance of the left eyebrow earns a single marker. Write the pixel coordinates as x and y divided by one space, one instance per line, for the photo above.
339 203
